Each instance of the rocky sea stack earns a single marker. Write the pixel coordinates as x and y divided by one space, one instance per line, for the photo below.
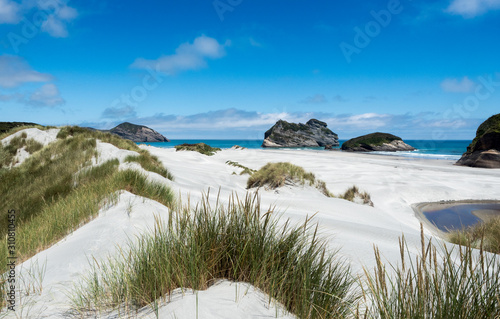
484 151
383 142
138 133
312 134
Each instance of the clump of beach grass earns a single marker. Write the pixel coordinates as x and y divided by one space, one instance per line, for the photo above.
353 194
456 283
199 147
246 170
56 190
150 163
484 235
274 175
9 151
239 242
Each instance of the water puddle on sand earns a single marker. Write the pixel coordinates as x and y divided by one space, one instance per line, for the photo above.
447 216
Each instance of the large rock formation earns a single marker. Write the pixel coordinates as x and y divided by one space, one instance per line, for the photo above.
138 133
484 151
312 134
383 142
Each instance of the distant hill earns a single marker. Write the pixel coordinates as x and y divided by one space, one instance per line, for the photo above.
138 133
7 126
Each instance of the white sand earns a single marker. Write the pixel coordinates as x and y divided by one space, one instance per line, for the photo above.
45 137
394 184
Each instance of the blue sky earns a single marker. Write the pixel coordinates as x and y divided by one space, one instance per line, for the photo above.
232 68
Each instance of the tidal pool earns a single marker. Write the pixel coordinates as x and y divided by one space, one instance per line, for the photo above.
447 216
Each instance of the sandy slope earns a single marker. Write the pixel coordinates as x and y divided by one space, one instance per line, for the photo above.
394 184
45 137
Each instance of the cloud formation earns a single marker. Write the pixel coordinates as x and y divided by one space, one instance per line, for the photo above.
465 85
188 56
234 123
472 8
47 95
53 16
119 112
15 71
9 11
316 99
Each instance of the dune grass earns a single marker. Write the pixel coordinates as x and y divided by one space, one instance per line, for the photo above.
246 170
199 147
238 242
150 163
353 194
9 151
450 284
484 235
54 192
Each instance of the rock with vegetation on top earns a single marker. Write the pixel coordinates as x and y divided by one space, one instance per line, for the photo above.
312 134
138 133
383 142
484 151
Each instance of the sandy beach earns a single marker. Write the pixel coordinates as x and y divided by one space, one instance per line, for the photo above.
394 183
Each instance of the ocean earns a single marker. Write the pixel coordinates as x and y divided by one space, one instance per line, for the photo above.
438 149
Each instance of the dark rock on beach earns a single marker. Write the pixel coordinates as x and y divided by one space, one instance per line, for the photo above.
312 134
138 133
484 151
382 142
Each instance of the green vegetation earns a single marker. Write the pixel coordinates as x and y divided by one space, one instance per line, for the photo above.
234 242
150 163
274 175
491 125
7 126
200 148
485 235
374 139
133 128
9 151
100 135
353 194
55 190
246 170
447 284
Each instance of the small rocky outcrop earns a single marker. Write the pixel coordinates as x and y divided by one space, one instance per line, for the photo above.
382 142
484 151
312 134
138 133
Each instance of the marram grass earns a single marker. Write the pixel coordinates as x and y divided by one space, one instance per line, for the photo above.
238 242
460 283
485 235
54 191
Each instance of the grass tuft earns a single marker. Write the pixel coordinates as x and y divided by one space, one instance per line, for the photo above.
199 147
150 163
353 194
484 235
236 242
450 284
246 170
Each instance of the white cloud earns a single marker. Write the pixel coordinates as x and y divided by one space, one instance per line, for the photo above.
188 56
47 95
472 8
9 12
465 85
55 14
56 23
15 71
316 99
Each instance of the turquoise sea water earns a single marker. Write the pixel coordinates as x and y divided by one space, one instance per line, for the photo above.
451 149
